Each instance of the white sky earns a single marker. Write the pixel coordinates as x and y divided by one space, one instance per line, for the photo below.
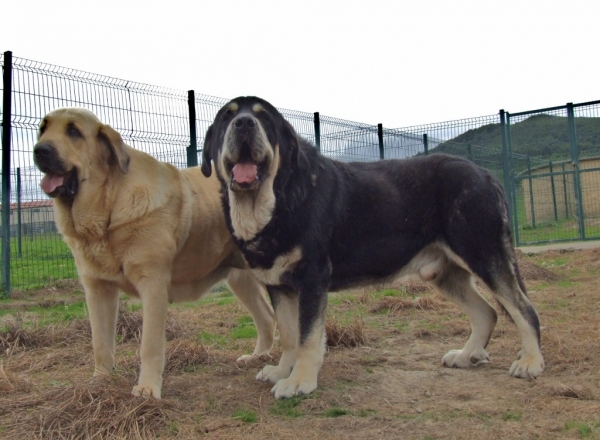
399 63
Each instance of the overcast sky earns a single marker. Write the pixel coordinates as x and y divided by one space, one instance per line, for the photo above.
399 63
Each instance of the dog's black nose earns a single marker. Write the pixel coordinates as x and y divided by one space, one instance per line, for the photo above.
42 151
244 122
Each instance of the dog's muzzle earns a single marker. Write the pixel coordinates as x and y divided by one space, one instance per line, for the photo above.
57 180
245 154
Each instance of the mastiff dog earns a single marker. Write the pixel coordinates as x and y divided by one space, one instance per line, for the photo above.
307 225
143 227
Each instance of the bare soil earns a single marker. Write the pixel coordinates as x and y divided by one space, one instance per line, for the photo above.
382 376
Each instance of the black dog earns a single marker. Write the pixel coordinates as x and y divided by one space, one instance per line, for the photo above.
308 225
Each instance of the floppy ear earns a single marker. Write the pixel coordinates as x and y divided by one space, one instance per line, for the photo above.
299 159
206 156
111 139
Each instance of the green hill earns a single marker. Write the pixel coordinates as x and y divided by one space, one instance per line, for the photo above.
542 136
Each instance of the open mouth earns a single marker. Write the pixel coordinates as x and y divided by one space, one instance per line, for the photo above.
245 176
57 185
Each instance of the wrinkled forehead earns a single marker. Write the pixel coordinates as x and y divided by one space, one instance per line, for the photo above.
248 104
62 118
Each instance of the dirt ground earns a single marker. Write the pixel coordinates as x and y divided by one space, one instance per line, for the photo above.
392 386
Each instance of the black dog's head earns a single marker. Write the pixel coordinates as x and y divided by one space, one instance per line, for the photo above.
247 142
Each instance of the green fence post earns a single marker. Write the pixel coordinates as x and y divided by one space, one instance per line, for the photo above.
577 175
6 139
192 150
508 181
380 136
531 201
19 232
425 144
553 192
317 122
564 176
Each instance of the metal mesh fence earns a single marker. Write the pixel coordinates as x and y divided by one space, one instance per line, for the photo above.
556 173
544 180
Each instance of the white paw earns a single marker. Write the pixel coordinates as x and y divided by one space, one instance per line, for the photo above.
273 373
464 359
527 366
146 391
251 357
293 387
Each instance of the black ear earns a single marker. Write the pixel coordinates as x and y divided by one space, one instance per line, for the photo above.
206 156
299 159
113 141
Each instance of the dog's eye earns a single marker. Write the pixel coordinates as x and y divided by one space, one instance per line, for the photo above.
73 131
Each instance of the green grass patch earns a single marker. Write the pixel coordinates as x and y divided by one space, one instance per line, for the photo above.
336 412
511 416
288 407
44 259
583 428
245 415
245 329
211 339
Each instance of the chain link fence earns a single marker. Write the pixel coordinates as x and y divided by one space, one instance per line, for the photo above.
170 125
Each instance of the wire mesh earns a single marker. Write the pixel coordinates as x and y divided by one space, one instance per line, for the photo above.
544 178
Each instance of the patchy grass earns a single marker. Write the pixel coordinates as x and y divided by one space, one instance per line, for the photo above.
381 378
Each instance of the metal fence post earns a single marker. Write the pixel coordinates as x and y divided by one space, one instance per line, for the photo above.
507 171
192 150
317 121
19 229
553 186
6 139
425 144
564 176
531 201
380 136
577 175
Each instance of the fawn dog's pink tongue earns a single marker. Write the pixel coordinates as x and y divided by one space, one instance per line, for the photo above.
244 172
50 182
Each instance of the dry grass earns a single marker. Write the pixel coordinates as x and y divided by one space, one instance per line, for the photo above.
103 410
385 382
349 335
396 305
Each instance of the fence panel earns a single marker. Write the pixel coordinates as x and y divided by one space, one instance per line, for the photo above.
151 119
556 173
554 170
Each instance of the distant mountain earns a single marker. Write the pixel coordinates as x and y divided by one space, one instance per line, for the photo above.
541 136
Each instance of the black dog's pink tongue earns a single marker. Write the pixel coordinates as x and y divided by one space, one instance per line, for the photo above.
50 182
244 172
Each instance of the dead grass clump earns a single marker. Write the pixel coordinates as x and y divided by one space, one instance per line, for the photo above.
573 392
532 272
129 325
17 335
94 411
395 304
11 383
184 355
351 335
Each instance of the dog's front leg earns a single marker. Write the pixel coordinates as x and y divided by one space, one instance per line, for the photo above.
311 345
102 300
152 286
286 314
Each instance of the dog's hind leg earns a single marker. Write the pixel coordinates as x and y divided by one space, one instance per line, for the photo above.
102 300
509 290
458 285
250 293
286 313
